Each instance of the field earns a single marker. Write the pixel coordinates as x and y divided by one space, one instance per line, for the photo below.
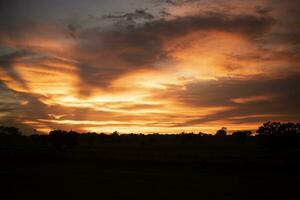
144 167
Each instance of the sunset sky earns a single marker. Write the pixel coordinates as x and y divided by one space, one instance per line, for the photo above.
148 65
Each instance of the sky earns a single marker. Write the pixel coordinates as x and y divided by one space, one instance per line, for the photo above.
148 66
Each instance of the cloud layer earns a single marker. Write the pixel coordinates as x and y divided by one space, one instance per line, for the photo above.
148 66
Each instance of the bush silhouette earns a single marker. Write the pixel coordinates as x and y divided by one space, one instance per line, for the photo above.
9 131
242 134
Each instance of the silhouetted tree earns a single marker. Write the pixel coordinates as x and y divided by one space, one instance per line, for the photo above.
280 135
279 129
222 132
115 133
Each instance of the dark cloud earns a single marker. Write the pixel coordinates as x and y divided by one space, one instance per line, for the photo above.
7 61
107 55
177 2
241 24
72 29
12 110
137 15
32 59
287 31
263 10
164 13
282 97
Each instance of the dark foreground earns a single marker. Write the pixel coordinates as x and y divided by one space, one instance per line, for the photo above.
70 180
185 167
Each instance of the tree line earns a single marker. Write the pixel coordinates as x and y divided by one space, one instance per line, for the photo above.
266 129
275 133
